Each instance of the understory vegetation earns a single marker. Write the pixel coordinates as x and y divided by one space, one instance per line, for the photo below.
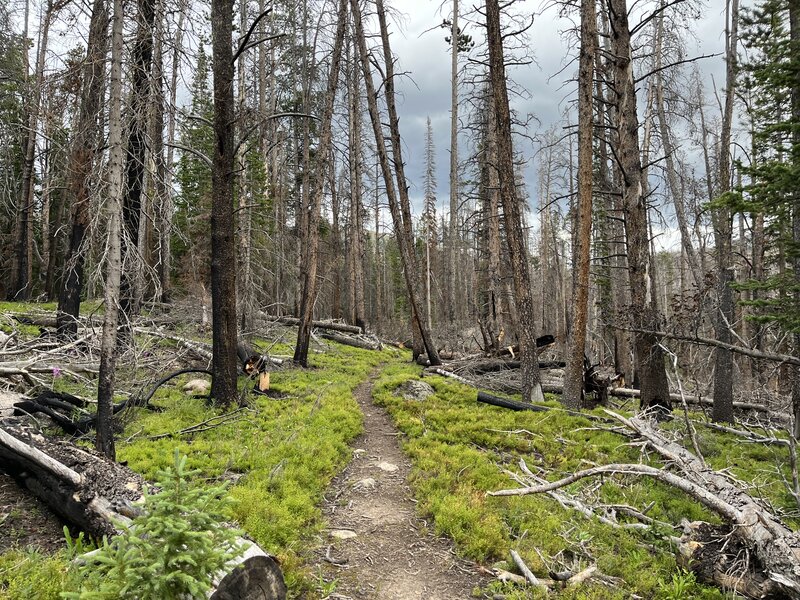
279 453
459 449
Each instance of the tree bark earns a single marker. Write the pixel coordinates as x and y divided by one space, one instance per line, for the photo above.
21 285
573 378
512 206
223 247
323 161
452 236
357 313
649 356
723 230
142 57
108 350
82 156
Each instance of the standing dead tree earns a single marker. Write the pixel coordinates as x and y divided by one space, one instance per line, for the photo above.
311 261
85 147
515 237
397 195
649 357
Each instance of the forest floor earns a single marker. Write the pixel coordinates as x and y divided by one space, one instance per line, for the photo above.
378 546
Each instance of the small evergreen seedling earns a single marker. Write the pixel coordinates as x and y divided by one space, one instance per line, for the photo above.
171 551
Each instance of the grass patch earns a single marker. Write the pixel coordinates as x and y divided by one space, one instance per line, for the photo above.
282 455
459 449
280 458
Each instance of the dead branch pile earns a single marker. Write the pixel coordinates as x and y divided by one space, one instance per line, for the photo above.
769 565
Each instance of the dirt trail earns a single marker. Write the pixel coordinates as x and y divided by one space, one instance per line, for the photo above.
376 546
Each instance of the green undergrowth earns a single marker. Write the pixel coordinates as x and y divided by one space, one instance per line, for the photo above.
460 448
279 455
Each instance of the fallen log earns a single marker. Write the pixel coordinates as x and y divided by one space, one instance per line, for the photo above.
78 484
356 342
96 494
700 400
512 404
330 325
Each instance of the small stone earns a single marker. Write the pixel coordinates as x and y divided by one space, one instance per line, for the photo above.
388 467
414 389
358 452
343 534
197 386
365 485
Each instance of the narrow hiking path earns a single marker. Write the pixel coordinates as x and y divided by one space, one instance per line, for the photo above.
376 545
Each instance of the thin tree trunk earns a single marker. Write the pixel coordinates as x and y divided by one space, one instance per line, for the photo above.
356 247
573 377
156 134
400 210
167 207
223 244
323 158
515 238
452 236
723 225
86 145
142 57
794 37
21 285
108 351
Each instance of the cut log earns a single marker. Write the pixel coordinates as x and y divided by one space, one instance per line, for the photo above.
330 325
95 494
356 342
253 576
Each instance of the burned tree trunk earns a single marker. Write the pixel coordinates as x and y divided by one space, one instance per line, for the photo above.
223 247
86 145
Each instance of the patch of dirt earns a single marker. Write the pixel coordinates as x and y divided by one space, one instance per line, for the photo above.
376 546
25 521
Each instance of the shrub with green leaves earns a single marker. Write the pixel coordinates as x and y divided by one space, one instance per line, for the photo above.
172 550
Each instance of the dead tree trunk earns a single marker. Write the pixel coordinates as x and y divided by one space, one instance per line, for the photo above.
576 345
86 145
323 159
515 237
223 247
723 230
142 57
650 360
108 349
402 227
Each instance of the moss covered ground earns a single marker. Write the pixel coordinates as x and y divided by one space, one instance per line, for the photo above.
280 454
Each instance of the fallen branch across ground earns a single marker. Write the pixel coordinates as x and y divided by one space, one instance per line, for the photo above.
331 325
775 547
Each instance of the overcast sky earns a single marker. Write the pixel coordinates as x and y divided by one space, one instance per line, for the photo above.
426 57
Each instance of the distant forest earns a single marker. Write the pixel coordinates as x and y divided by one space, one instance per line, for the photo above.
249 156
